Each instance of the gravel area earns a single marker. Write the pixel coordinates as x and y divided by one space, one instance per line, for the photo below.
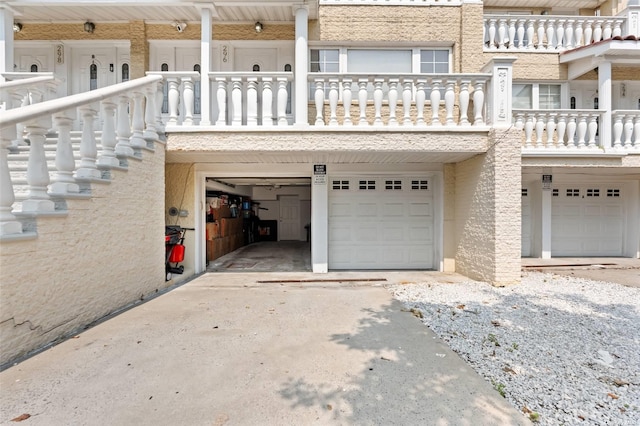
562 350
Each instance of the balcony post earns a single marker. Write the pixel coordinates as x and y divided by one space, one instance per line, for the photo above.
449 101
137 122
377 100
528 130
530 33
502 30
221 96
588 32
123 147
108 155
560 34
173 99
434 97
551 128
420 100
187 101
151 129
577 35
540 30
464 102
500 103
582 130
540 125
267 101
318 97
617 130
592 129
63 181
8 223
492 33
628 131
236 101
568 34
407 85
301 70
393 101
282 101
520 31
88 149
362 100
333 101
561 130
346 100
37 171
252 101
571 130
551 30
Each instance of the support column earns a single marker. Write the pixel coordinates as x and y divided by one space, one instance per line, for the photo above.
301 64
320 219
604 104
6 40
546 198
499 102
206 34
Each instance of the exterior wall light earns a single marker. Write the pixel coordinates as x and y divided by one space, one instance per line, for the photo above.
17 27
258 27
89 27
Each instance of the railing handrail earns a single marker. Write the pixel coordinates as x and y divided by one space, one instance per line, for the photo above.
313 75
625 111
557 111
12 84
213 74
30 112
175 74
556 17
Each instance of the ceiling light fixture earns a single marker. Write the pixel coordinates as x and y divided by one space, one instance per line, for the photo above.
258 26
89 27
17 27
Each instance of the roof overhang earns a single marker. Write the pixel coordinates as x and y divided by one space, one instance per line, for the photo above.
227 11
586 58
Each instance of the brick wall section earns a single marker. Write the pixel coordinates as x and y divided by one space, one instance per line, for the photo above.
139 49
101 257
487 204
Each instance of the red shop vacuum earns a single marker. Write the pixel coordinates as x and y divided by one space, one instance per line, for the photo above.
174 243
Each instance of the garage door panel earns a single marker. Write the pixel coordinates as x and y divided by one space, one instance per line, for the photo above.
340 209
420 209
389 228
587 225
393 210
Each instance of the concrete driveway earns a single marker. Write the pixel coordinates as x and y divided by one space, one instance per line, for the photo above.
225 349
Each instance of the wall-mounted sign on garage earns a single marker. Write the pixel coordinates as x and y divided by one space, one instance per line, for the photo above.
320 174
546 182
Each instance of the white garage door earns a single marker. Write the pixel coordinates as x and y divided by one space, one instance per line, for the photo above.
587 221
380 223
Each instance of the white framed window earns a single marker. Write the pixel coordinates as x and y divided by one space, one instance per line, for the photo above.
324 60
537 96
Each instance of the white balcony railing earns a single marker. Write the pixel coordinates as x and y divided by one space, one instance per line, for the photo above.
129 123
544 33
411 93
554 130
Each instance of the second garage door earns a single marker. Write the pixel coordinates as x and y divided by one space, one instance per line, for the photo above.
587 221
381 223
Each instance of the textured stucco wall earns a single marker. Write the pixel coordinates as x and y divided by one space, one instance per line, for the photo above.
180 193
107 253
487 206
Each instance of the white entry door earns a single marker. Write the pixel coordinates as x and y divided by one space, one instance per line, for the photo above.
587 220
258 60
289 226
91 69
381 223
526 223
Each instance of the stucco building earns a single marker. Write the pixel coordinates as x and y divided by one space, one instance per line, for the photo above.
453 135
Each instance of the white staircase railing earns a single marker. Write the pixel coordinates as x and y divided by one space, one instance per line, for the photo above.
120 135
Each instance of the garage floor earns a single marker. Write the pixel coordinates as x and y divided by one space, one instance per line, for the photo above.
266 256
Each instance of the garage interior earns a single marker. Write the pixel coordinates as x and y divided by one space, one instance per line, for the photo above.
258 224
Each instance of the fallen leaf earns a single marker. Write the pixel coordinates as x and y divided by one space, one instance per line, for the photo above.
22 417
329 407
509 370
613 395
495 323
460 306
384 359
619 382
526 410
581 417
416 312
76 337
